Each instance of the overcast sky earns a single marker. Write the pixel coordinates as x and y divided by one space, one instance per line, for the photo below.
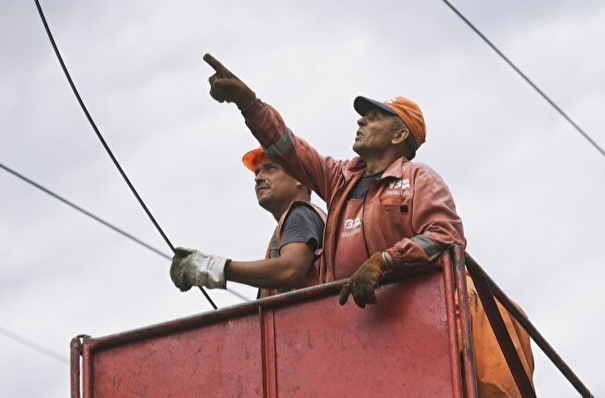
529 188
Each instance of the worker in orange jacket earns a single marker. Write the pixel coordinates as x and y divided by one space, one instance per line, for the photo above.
384 211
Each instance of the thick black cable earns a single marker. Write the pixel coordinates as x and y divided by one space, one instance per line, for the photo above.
94 126
534 86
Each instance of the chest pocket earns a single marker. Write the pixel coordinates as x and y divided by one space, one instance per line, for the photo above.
397 216
395 206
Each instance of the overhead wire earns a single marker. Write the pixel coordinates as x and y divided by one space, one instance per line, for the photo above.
108 150
527 79
34 346
97 218
81 210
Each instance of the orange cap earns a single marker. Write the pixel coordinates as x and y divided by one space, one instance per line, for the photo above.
407 110
252 158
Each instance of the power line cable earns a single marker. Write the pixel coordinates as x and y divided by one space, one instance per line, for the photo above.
109 152
96 218
89 214
531 83
34 346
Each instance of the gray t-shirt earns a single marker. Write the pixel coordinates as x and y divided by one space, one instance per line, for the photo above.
303 225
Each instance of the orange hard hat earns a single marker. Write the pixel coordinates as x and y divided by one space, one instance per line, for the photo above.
252 158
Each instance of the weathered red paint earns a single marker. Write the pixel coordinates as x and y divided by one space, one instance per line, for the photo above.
464 316
301 343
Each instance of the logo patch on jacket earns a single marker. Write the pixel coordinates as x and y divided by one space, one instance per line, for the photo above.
398 188
351 227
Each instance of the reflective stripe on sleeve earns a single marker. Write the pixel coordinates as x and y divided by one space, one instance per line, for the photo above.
426 245
281 146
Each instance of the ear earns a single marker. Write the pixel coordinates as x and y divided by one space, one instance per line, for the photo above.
400 136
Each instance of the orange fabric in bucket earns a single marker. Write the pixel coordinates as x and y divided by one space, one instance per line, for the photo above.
494 378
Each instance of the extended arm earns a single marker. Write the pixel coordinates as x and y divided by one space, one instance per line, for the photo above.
193 268
286 271
297 157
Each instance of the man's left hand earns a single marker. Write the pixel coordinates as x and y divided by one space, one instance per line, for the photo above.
363 282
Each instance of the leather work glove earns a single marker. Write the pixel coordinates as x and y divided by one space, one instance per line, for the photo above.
193 268
226 87
363 282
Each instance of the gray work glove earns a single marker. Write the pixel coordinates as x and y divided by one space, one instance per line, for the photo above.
193 268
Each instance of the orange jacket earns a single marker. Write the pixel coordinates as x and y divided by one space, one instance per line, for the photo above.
409 211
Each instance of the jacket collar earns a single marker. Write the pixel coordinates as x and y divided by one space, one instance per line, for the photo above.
395 169
357 166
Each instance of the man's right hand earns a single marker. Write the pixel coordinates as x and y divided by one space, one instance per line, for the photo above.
193 268
226 87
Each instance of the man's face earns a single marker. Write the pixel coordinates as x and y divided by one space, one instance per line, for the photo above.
374 133
274 188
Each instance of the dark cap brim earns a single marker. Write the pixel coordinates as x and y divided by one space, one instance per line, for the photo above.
363 105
